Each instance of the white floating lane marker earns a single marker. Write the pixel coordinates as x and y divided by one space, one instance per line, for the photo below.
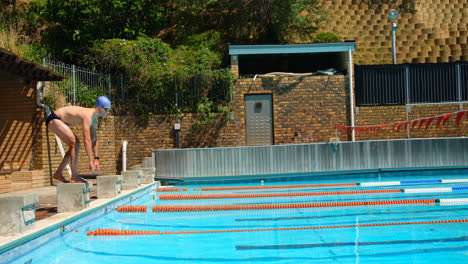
454 201
428 190
454 181
372 184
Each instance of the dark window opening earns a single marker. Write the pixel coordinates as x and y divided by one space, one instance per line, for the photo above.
294 63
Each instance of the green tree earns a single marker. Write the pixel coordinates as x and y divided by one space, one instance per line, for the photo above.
246 21
76 24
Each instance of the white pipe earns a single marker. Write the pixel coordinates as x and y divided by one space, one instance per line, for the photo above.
62 152
124 155
40 86
351 97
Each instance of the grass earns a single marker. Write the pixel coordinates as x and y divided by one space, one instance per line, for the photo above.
9 41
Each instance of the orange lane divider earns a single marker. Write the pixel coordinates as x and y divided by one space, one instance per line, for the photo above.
263 195
132 209
171 189
276 186
118 232
239 207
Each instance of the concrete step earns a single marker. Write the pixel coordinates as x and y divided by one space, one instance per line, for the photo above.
20 186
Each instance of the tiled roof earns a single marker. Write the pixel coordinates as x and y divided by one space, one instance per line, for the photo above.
12 64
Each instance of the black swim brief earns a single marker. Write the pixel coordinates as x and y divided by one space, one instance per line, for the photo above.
51 117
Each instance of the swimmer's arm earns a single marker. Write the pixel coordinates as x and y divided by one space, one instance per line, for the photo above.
94 141
87 138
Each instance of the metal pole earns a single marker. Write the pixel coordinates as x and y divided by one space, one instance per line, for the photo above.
177 129
74 85
408 107
459 81
351 96
121 85
110 86
394 28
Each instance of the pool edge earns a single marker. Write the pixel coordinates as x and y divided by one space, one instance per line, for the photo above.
29 237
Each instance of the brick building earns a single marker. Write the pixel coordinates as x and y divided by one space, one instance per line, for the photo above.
20 120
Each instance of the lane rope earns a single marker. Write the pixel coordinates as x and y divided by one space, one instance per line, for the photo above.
244 207
238 207
276 186
363 184
263 195
119 232
171 189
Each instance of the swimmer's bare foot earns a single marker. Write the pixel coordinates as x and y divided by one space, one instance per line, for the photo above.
59 177
78 180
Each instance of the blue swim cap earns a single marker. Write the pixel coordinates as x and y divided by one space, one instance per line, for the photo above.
103 101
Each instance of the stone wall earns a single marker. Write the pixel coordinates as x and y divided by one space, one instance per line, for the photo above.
429 31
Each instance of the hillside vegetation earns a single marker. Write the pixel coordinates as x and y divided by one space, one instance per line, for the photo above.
152 43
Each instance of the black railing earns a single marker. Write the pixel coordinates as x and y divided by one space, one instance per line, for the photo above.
411 83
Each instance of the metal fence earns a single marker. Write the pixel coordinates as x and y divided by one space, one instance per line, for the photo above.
82 86
411 84
304 159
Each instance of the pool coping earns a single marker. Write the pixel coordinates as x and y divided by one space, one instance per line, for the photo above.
70 218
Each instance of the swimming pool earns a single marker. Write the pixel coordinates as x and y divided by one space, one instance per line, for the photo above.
411 219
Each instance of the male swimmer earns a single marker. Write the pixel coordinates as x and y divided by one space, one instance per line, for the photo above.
59 122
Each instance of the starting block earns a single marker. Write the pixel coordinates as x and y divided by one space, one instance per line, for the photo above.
73 197
131 179
108 186
17 213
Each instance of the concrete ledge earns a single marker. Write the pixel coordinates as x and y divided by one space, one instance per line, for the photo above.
73 197
131 179
107 186
17 213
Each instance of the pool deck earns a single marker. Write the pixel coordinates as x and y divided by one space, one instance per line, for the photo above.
47 215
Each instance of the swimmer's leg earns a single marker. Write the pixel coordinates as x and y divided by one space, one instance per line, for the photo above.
66 135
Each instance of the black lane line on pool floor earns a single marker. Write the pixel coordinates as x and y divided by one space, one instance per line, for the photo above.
345 244
344 215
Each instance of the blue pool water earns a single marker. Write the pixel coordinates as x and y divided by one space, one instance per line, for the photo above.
414 242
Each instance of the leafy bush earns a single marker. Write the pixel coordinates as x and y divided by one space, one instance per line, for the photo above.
157 72
326 37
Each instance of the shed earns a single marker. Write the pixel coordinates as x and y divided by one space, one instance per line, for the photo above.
21 121
295 59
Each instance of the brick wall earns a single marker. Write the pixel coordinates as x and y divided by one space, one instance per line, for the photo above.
367 116
19 133
305 109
